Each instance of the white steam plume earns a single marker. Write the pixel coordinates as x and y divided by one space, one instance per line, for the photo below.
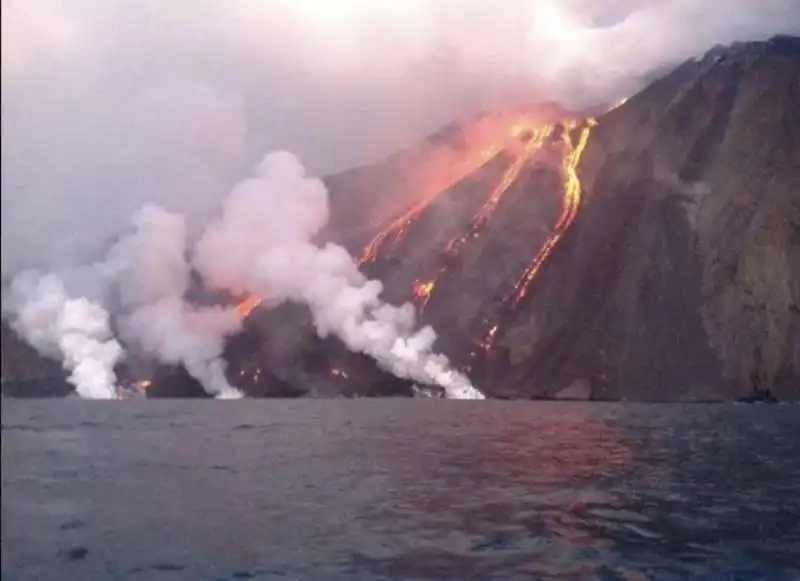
74 331
151 276
148 275
263 243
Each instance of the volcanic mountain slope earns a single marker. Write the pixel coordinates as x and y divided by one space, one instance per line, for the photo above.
652 253
278 353
648 254
365 198
655 255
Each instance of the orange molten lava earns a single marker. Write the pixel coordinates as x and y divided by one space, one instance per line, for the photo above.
485 140
397 228
254 373
246 305
423 290
539 135
618 104
486 344
136 386
572 201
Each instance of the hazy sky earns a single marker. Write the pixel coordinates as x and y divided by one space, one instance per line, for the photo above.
107 104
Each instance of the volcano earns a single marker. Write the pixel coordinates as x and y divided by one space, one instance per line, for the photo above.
650 252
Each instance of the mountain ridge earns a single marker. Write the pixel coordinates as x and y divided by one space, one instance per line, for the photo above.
669 275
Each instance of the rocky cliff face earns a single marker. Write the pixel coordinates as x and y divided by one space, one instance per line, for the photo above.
679 278
676 278
651 253
25 372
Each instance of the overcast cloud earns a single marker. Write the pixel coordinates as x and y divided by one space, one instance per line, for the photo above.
108 104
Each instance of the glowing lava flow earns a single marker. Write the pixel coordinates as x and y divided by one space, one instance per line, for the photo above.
572 202
246 305
538 135
395 230
423 290
571 196
137 387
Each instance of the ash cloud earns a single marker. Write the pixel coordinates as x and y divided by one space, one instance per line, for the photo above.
109 106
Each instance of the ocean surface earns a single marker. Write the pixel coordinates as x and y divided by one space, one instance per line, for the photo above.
398 490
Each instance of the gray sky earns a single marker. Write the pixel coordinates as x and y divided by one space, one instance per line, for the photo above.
107 104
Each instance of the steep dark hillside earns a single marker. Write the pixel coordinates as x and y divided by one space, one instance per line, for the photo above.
25 372
678 276
650 253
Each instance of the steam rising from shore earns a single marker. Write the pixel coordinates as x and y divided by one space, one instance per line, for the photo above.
261 244
151 275
75 331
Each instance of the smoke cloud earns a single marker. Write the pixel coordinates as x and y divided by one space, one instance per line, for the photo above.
114 109
143 281
74 331
262 243
150 273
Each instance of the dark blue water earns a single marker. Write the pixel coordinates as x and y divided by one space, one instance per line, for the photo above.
399 489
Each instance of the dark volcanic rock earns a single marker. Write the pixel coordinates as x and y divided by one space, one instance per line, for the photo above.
680 277
26 373
173 381
279 355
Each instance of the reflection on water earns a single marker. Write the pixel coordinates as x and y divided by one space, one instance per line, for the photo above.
400 490
496 501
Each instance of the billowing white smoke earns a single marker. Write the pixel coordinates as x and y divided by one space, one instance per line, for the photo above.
151 274
262 243
76 331
148 274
